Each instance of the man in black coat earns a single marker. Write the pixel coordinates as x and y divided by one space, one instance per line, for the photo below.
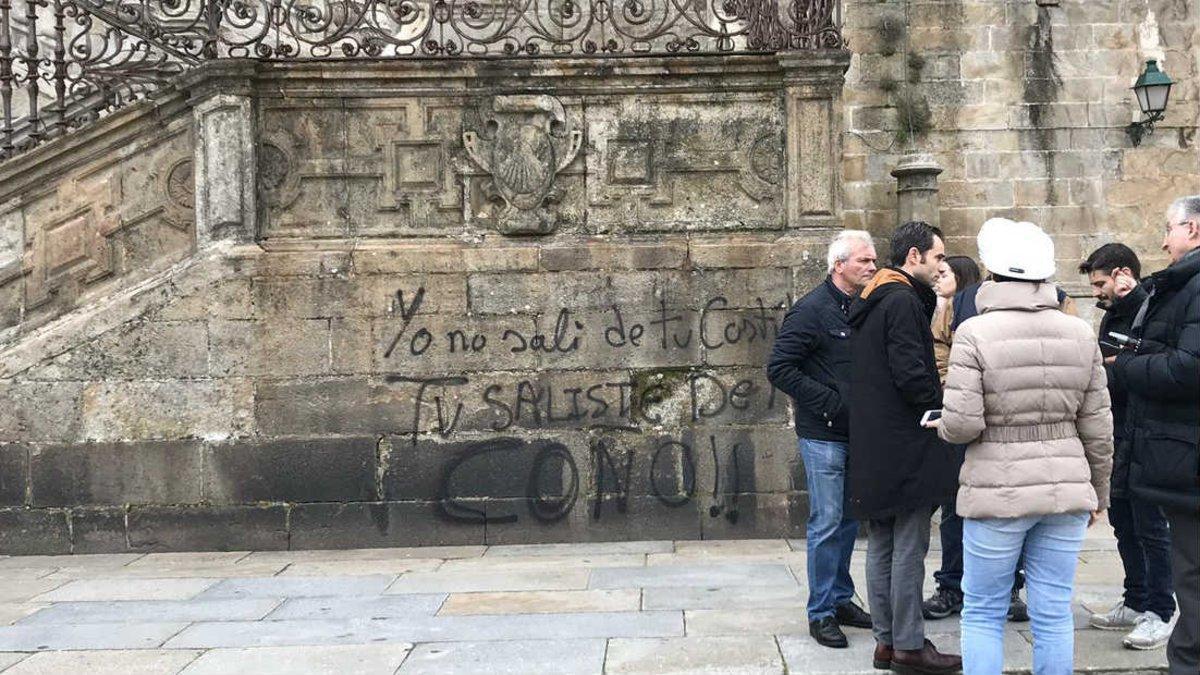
897 471
811 364
1162 378
1143 540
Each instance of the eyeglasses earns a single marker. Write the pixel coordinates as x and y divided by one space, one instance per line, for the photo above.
1167 229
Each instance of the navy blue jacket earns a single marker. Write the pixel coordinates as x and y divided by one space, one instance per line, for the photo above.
811 362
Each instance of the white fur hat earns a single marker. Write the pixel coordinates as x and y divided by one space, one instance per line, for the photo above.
1019 250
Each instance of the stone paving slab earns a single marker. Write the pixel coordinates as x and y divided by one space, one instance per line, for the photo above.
543 602
210 571
341 659
569 562
364 567
802 655
94 590
671 656
425 629
747 621
692 575
9 658
379 607
86 636
88 561
189 559
357 554
518 657
583 548
115 662
11 613
24 573
152 611
793 559
725 597
1103 648
472 581
299 587
736 547
22 590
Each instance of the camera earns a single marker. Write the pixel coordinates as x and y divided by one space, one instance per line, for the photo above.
1124 342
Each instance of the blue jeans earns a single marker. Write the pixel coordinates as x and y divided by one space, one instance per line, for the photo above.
991 548
1144 542
830 535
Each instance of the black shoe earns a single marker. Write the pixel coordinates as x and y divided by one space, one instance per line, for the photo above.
852 615
1018 611
827 633
942 604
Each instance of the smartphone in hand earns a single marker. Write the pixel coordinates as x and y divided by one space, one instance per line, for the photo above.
930 415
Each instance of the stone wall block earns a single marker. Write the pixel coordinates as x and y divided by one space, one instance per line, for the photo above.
40 411
158 349
139 410
14 474
609 254
225 168
299 470
378 525
280 347
98 530
208 528
34 531
501 294
110 474
334 406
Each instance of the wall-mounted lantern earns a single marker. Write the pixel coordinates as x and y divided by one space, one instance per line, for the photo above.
1152 88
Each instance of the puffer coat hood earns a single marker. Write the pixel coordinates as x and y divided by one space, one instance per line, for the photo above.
1027 391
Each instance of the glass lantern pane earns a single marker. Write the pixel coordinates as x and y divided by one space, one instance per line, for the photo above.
1156 96
1143 100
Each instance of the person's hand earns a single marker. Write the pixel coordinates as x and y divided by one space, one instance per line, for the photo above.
933 424
1123 282
1095 515
1110 360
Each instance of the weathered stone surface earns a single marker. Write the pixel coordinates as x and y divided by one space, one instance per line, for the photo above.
40 411
227 528
691 655
513 657
541 602
144 611
380 524
106 662
127 411
24 531
299 587
139 349
98 530
116 590
14 474
342 607
347 659
42 638
103 474
302 470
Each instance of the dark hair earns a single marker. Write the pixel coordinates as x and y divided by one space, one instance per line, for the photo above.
916 234
1109 257
966 272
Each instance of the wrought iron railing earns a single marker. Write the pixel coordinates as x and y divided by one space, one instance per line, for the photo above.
63 63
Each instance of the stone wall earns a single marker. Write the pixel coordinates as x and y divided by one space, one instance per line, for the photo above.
1026 107
438 303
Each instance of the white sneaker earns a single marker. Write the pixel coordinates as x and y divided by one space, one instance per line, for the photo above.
1151 633
1119 617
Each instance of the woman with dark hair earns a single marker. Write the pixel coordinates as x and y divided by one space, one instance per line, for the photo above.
957 272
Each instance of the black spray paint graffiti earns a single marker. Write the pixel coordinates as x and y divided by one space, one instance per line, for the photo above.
670 330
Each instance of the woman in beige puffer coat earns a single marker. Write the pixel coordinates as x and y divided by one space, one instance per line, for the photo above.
1026 390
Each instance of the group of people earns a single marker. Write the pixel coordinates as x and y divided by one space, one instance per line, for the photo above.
922 385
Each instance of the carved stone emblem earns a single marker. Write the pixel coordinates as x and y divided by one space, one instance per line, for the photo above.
523 144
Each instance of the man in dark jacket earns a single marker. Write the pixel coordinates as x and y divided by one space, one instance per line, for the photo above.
1143 540
897 471
1161 376
811 364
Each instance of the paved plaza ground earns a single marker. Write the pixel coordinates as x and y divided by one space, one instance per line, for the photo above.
628 607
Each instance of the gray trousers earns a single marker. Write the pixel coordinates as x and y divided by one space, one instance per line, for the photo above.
1183 650
896 549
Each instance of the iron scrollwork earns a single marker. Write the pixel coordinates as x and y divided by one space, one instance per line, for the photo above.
63 63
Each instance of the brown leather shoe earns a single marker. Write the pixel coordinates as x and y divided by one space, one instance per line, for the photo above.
883 656
925 661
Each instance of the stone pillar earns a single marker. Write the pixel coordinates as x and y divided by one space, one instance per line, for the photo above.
225 165
917 189
813 91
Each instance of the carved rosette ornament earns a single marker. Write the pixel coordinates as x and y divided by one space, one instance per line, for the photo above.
522 144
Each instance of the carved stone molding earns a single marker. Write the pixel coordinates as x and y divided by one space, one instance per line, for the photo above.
522 143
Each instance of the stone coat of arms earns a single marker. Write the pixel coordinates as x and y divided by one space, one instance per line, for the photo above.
523 143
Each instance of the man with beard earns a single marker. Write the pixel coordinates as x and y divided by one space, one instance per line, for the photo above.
898 471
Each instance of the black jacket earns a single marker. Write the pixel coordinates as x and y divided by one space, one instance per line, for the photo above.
1162 381
894 465
811 362
1119 318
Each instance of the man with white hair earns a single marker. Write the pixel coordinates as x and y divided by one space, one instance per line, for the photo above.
811 364
1160 369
